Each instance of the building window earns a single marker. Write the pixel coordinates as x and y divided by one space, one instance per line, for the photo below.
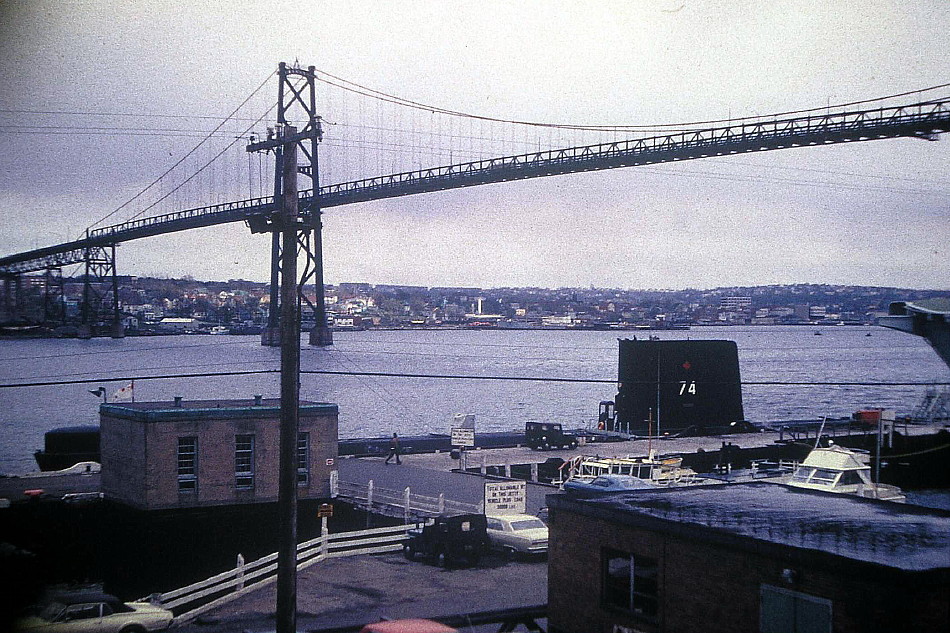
629 583
785 611
244 461
303 459
188 464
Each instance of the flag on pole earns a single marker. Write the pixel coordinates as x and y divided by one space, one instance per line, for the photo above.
125 394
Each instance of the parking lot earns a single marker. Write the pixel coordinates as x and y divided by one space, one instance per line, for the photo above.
352 591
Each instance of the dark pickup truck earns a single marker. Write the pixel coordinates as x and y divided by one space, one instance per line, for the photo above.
449 540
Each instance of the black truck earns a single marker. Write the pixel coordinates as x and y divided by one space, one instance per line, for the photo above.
449 540
542 436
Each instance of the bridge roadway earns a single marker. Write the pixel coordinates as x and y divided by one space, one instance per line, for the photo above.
918 120
929 318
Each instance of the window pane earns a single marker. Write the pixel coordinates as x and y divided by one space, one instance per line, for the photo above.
617 579
187 464
778 612
824 476
786 611
812 617
303 459
645 586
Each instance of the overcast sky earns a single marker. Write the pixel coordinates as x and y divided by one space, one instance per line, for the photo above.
867 213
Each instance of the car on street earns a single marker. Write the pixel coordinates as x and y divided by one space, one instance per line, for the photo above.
606 485
412 625
93 611
518 534
449 540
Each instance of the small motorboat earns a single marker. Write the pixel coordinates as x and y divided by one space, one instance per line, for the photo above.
844 471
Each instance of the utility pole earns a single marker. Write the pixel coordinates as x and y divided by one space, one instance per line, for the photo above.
289 396
286 224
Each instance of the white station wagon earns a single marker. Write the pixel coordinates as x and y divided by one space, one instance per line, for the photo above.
518 534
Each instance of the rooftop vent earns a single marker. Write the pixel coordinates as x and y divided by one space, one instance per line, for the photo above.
178 401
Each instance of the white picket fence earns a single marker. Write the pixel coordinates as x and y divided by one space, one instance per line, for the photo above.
411 506
195 599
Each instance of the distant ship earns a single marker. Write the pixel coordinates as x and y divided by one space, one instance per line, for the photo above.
67 446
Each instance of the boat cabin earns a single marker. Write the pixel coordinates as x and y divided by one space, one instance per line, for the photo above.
841 470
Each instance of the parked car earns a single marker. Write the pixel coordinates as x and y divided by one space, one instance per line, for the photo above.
518 534
449 540
542 436
412 625
87 611
605 485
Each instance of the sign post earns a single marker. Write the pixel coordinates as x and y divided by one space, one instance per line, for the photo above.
463 437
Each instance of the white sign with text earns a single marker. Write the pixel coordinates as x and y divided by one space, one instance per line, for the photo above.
506 497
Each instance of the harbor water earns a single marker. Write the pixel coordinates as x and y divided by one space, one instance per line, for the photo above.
399 401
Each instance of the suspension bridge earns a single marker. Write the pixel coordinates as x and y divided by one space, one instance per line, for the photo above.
476 156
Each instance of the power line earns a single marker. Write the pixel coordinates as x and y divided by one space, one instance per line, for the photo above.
384 374
123 114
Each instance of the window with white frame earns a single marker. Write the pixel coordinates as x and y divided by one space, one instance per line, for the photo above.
188 464
630 583
244 461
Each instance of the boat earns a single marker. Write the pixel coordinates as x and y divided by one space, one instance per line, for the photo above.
841 470
659 471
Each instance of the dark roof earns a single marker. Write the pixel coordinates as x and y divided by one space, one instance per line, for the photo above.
891 534
207 409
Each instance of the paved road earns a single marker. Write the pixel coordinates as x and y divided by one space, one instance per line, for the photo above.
424 480
361 589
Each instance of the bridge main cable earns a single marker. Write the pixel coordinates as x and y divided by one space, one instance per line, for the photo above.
922 120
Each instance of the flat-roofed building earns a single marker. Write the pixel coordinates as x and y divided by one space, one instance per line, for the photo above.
185 454
743 558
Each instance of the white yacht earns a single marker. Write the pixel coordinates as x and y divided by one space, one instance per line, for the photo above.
838 469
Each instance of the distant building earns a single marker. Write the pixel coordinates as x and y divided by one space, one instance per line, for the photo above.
735 304
176 324
746 558
174 454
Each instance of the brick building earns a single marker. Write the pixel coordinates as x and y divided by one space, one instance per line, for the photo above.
170 455
744 558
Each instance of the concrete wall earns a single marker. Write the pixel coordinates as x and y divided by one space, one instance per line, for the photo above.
708 586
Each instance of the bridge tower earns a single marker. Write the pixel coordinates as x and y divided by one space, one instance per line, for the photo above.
100 293
297 104
54 296
11 297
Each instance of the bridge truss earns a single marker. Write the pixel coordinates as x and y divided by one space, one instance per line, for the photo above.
923 120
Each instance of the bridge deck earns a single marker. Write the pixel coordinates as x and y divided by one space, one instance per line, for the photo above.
922 120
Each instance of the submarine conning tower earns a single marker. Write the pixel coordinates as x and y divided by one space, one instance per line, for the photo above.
678 387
